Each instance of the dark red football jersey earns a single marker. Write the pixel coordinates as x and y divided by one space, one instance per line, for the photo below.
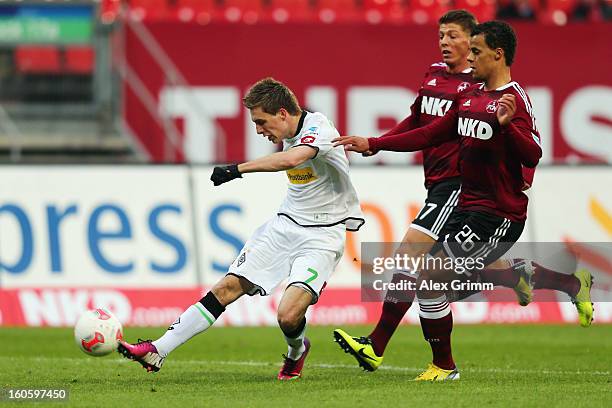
434 99
491 156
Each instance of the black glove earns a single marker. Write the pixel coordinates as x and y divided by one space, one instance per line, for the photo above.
224 174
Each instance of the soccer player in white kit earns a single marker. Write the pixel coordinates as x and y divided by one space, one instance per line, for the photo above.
302 244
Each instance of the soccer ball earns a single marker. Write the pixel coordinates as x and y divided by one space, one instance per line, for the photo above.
98 332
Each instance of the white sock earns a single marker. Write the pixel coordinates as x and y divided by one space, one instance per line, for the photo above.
296 345
435 308
194 320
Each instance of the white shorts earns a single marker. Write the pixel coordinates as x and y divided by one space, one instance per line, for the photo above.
281 249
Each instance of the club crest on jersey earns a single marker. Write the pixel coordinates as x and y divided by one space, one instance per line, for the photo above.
492 107
307 139
463 86
241 259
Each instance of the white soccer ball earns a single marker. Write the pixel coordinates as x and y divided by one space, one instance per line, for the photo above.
98 332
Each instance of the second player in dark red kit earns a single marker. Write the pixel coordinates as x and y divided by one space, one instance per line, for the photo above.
442 82
495 127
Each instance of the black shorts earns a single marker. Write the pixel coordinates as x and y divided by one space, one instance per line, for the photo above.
442 198
481 236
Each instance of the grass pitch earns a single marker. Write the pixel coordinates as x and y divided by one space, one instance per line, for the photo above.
554 366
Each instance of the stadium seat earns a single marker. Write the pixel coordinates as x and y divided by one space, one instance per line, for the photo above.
331 11
243 11
564 5
31 59
109 10
428 11
79 59
389 11
283 11
200 11
484 10
556 12
149 9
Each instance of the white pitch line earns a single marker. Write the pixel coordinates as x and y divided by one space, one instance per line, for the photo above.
316 365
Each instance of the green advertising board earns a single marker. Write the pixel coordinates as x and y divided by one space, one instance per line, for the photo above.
46 24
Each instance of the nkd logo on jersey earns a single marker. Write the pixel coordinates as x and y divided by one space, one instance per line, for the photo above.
474 128
435 106
301 176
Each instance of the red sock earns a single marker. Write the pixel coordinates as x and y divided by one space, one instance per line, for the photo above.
394 308
544 278
438 333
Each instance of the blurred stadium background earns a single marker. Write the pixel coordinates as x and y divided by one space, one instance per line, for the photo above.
95 96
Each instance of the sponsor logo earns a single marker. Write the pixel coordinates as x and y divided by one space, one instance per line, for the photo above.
463 86
435 106
468 103
474 128
432 82
301 176
307 139
492 107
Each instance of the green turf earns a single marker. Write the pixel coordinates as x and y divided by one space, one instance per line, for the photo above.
551 366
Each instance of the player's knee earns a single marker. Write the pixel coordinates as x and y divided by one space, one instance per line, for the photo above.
289 318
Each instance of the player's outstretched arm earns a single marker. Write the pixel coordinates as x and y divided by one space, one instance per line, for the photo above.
279 161
434 134
274 162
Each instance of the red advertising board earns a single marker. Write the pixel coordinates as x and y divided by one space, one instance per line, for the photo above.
60 307
358 75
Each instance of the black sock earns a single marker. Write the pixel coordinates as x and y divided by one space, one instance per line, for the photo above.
211 303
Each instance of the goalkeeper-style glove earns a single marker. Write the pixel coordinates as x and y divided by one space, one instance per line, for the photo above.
224 174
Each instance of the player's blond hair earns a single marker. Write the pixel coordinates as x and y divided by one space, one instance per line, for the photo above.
271 95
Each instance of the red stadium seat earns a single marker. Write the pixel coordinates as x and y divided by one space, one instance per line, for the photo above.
243 11
200 11
149 9
484 10
553 17
79 59
390 11
564 5
428 11
109 10
37 59
283 11
331 11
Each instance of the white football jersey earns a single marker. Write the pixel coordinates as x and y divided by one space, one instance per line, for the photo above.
320 192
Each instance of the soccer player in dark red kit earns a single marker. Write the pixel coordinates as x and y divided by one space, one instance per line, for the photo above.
442 82
495 126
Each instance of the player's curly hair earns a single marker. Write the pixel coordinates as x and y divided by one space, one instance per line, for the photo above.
463 18
498 34
271 95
